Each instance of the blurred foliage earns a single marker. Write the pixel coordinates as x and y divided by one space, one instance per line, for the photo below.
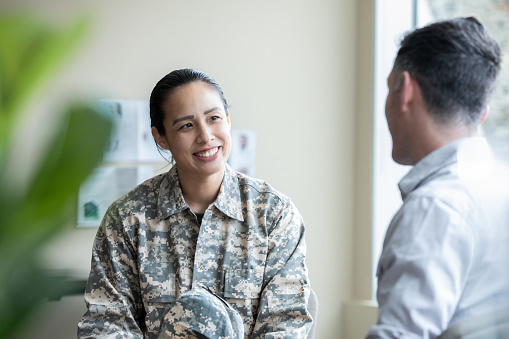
34 212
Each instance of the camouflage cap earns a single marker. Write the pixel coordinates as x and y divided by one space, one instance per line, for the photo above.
200 313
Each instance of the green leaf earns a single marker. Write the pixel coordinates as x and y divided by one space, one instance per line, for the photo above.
30 51
23 291
74 151
76 148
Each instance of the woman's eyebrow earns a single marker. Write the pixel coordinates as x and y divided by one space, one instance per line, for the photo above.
211 110
187 117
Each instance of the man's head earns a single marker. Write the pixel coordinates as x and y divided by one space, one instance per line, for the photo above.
440 85
455 63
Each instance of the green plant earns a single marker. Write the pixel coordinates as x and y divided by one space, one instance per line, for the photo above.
38 203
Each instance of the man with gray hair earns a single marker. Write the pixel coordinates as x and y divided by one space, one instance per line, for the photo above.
445 256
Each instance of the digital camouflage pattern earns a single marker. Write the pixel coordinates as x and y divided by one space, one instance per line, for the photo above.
201 314
150 249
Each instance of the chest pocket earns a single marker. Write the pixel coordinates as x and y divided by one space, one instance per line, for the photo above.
243 283
158 285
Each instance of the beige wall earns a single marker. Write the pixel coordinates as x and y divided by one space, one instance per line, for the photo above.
299 72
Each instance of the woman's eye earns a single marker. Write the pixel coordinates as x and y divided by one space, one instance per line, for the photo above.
215 117
186 126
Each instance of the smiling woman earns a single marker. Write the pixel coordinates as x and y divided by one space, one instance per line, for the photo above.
195 128
202 224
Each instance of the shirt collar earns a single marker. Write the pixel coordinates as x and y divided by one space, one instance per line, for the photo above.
171 199
228 200
430 165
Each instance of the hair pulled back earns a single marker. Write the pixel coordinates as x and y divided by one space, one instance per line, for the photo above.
168 84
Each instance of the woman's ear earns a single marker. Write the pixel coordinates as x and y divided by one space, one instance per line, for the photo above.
161 140
228 118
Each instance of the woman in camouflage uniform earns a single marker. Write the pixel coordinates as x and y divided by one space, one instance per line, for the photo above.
200 224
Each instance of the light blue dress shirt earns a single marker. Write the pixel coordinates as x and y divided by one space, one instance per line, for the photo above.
446 252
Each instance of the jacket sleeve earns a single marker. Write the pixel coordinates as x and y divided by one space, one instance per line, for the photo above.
427 255
112 295
283 306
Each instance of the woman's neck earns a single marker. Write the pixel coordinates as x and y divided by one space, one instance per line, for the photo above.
200 192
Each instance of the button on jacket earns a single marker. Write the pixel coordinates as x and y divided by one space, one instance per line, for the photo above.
149 249
445 256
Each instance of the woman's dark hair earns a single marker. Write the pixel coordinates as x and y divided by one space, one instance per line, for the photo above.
168 84
456 63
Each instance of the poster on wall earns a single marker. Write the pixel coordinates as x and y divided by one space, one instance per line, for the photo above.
105 185
243 154
130 157
131 139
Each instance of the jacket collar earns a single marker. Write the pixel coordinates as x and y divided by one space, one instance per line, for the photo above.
228 200
171 199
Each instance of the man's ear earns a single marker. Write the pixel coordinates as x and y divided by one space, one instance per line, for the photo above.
407 90
161 140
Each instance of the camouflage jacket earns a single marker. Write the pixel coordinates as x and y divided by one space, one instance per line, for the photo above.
149 249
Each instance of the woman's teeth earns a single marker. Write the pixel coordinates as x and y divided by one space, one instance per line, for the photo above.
208 153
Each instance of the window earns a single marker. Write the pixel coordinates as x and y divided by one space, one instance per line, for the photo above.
393 18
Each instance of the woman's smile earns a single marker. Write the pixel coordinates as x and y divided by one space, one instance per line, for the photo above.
208 154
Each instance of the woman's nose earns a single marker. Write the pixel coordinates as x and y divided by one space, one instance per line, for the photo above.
204 134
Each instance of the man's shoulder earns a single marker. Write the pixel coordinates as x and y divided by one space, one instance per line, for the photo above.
445 187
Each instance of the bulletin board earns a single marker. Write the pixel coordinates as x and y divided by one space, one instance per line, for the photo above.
130 157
